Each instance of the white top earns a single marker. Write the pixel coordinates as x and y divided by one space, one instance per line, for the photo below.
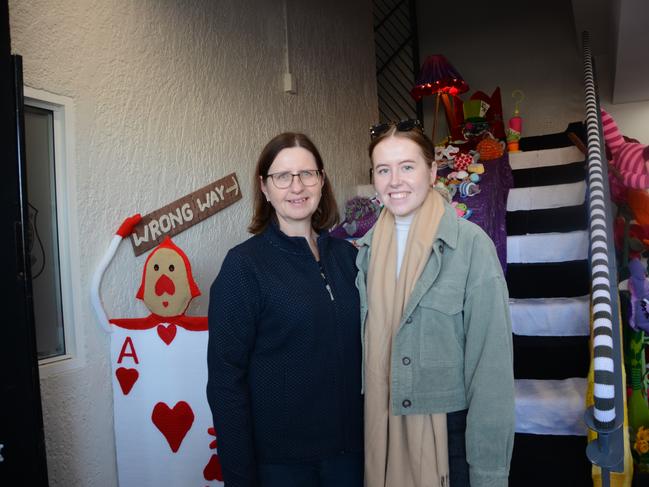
402 225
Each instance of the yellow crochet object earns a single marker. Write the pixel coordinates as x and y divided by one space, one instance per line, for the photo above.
476 168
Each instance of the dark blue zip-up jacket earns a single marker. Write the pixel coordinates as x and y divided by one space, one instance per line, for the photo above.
284 358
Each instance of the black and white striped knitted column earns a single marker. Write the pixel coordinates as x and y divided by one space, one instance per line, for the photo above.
602 309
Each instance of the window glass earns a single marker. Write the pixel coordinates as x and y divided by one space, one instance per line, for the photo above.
43 232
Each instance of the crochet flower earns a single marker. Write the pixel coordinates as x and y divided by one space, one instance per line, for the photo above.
641 446
642 434
640 449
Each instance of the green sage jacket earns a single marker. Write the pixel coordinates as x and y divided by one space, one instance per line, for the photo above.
453 347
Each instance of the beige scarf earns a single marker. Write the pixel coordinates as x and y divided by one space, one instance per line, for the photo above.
411 450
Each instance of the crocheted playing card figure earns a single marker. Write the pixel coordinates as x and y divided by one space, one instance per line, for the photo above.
163 424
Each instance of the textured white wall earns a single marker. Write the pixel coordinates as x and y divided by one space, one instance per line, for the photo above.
169 96
631 118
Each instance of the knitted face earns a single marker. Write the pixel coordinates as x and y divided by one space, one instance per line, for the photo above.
166 288
167 283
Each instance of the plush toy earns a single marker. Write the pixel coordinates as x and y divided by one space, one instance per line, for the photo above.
630 160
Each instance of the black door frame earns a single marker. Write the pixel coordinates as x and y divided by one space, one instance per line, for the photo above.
21 419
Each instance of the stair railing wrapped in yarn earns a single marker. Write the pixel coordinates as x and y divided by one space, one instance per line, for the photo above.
606 416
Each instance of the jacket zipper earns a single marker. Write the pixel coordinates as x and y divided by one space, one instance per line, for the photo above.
326 283
341 402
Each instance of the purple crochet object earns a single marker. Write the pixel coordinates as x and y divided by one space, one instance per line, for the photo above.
639 287
361 214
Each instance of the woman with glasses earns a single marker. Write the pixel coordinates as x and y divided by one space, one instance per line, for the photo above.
284 353
438 374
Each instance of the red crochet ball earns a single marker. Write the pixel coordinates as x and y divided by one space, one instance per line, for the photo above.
462 162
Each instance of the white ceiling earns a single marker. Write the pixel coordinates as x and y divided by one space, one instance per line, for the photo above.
619 30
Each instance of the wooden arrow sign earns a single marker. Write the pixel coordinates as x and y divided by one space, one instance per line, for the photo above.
184 213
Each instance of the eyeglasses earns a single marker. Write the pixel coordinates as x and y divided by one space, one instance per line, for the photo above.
401 126
283 180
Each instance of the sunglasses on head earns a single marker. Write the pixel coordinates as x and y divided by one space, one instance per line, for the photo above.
401 126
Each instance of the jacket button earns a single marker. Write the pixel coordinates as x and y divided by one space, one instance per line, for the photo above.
441 248
406 403
409 320
405 360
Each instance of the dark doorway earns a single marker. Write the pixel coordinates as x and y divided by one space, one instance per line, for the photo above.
22 444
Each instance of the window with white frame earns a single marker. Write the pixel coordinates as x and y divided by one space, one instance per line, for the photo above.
52 235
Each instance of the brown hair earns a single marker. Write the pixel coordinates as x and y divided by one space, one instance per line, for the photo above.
415 134
325 216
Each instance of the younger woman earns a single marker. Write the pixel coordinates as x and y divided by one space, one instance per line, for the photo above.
438 374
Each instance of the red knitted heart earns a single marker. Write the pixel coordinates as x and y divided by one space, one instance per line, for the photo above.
173 423
212 470
126 378
167 332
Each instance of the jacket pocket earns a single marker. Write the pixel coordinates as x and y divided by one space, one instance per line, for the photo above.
441 330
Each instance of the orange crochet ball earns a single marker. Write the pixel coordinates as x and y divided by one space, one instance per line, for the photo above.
490 149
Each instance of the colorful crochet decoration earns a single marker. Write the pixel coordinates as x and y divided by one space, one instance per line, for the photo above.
444 155
639 287
360 214
490 149
630 159
462 162
468 188
476 168
462 210
447 192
